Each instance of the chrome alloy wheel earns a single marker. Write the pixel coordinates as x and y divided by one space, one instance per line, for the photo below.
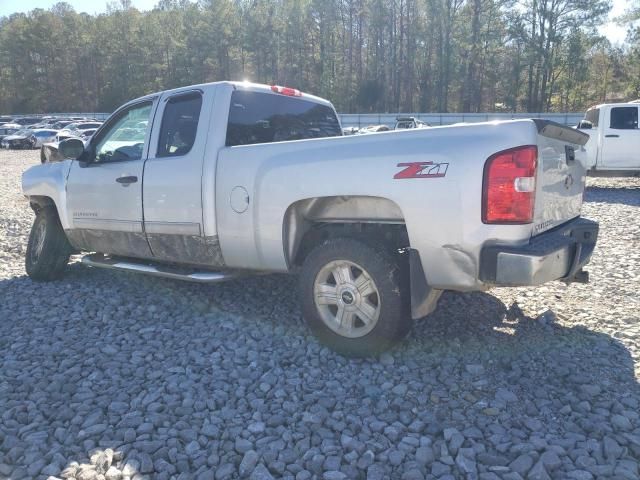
38 241
347 299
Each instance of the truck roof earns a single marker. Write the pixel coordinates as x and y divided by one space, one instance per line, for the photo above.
254 87
633 103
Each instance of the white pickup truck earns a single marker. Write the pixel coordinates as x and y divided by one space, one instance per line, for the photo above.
216 181
614 147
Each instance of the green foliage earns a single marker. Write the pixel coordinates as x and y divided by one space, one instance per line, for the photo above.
364 55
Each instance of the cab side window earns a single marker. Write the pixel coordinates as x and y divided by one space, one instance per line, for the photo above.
179 125
593 115
624 118
124 138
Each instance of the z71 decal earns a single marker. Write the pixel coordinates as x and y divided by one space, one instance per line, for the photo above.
422 170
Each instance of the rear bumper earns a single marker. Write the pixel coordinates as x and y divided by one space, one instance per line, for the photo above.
558 254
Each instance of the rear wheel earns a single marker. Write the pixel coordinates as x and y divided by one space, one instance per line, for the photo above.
48 249
355 297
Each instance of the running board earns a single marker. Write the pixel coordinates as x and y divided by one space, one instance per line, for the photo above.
167 271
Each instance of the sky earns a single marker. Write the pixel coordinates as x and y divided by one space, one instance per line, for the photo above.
613 32
8 7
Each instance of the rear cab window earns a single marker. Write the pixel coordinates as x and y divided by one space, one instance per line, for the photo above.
260 117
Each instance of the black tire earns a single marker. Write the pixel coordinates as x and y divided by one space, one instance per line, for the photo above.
48 249
390 278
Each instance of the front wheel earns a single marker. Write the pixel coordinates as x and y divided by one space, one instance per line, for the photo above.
48 249
355 297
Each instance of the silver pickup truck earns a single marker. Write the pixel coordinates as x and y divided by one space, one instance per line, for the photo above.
216 181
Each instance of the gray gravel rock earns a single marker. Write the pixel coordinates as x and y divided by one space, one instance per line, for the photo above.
137 377
248 463
538 472
333 475
261 473
522 464
375 472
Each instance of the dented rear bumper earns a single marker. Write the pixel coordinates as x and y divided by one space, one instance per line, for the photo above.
558 254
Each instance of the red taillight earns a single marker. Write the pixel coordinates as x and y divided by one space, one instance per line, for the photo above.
291 92
509 186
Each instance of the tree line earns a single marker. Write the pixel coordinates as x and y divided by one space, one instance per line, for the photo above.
364 55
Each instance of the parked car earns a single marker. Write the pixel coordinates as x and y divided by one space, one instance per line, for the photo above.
60 124
76 128
5 119
88 133
615 139
40 136
49 122
377 226
92 125
4 131
26 121
15 126
19 140
403 123
374 129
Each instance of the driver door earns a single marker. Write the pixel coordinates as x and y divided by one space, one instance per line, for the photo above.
104 187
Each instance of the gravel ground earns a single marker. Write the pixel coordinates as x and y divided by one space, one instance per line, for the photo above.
105 375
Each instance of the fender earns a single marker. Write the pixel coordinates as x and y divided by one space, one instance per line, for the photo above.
49 180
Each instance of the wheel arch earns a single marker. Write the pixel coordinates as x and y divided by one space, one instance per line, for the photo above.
311 221
38 202
304 217
45 185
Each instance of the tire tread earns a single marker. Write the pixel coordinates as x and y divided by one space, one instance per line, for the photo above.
55 252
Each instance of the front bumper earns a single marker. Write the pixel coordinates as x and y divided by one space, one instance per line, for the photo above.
558 254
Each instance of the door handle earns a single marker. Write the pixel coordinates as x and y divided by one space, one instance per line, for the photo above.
569 154
612 136
126 181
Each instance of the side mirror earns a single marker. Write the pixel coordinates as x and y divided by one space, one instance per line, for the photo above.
585 125
71 148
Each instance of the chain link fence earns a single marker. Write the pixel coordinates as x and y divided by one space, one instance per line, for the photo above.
97 116
389 119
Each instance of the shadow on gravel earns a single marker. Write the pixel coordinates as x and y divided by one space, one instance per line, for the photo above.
624 195
180 378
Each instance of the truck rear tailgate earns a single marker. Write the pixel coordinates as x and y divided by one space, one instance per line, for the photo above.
561 176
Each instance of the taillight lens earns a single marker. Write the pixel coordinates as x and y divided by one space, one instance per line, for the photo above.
509 186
